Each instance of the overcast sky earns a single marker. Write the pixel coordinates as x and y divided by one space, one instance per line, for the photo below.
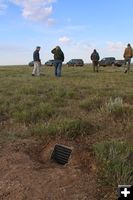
78 26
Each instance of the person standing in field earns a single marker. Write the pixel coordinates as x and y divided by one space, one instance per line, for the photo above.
58 59
37 62
95 58
128 54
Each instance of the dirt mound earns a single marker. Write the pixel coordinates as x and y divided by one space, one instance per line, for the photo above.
26 172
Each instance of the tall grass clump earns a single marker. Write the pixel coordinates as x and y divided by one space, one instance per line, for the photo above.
91 103
70 128
76 127
114 107
115 159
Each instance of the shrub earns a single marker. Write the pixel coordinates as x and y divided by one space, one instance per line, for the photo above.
117 109
114 105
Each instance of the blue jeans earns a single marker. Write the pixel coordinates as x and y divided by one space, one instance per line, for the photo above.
58 66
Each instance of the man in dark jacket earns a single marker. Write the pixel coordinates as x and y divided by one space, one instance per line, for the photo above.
37 62
95 58
58 59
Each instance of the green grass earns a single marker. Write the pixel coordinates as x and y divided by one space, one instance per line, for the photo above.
79 95
79 104
69 128
116 161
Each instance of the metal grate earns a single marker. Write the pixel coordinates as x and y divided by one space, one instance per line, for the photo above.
61 154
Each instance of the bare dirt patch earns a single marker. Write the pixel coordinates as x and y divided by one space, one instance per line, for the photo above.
27 173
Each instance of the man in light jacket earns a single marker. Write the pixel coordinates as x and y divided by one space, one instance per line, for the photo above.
128 54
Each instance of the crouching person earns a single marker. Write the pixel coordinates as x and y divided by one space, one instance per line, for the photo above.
58 59
37 62
95 58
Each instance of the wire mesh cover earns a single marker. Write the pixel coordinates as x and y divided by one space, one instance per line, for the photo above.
61 154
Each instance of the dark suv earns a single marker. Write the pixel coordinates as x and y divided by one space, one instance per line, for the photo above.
107 61
75 62
31 64
119 63
49 63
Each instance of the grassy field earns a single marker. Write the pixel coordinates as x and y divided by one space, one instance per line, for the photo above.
79 105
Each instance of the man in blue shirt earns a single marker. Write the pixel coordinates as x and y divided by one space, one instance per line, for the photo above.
37 62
